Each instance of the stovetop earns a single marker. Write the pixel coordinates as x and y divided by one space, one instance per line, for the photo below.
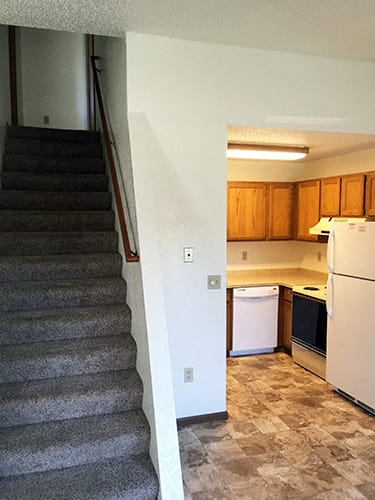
315 291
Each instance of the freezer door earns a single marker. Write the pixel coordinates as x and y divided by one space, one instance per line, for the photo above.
351 337
351 249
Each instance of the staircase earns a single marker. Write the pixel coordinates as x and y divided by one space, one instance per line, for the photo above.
71 420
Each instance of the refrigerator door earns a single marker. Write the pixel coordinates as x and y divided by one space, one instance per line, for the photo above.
351 249
351 338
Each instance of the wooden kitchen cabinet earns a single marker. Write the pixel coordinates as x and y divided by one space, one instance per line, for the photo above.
352 195
280 213
246 211
330 192
308 201
285 319
370 194
229 319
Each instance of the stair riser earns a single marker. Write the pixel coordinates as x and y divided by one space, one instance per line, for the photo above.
43 410
23 181
55 149
26 298
63 366
62 327
16 269
122 446
56 221
29 200
58 243
51 134
24 163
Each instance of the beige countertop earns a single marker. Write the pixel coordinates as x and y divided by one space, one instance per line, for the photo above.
286 277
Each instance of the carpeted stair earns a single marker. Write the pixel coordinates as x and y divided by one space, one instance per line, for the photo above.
71 420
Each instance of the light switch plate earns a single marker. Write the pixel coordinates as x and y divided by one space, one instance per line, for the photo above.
213 281
188 254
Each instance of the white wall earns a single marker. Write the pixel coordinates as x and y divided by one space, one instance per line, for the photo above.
4 87
181 98
148 325
53 78
264 171
359 161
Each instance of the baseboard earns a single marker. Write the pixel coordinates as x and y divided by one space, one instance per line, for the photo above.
199 419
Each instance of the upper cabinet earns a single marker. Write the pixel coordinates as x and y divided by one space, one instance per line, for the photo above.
308 197
330 191
352 195
246 211
280 214
370 195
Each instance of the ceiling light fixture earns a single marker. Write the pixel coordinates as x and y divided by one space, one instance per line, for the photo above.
266 152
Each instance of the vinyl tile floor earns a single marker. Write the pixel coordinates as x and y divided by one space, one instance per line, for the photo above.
288 436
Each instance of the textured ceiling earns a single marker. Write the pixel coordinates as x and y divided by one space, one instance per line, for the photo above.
333 28
321 144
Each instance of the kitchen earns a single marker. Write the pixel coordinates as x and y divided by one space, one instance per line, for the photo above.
272 251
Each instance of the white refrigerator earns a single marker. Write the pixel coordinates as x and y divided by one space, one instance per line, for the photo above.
351 311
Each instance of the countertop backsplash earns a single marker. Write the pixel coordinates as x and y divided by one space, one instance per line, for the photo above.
276 254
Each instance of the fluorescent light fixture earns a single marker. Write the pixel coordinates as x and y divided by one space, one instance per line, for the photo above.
266 152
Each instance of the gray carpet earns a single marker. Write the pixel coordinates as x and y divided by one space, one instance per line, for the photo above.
71 419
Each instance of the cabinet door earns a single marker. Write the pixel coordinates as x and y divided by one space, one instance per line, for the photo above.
285 319
308 197
370 194
246 211
229 319
280 216
330 196
352 195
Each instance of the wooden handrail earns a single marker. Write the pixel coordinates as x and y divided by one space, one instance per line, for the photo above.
13 74
130 255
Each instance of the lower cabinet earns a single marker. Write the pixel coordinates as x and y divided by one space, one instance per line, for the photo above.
229 318
285 318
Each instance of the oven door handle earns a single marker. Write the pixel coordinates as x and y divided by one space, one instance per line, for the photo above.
329 300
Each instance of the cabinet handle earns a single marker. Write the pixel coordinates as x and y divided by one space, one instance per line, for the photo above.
331 251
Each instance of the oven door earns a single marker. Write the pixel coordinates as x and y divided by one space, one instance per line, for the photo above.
309 323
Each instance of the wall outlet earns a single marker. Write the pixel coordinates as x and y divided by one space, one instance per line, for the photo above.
244 255
319 256
46 119
188 375
188 254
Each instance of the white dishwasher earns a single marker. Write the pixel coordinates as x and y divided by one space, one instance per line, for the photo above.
255 312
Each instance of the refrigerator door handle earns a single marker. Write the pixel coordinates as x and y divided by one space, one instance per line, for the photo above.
331 251
329 300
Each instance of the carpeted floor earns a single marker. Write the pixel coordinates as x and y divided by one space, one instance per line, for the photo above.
288 436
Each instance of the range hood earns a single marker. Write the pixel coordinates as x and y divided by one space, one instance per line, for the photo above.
324 225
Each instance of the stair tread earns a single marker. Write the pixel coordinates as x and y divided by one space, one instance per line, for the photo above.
50 200
15 268
48 147
40 164
67 347
40 325
50 220
68 312
69 385
72 442
56 242
53 134
59 181
46 284
26 295
131 479
72 396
